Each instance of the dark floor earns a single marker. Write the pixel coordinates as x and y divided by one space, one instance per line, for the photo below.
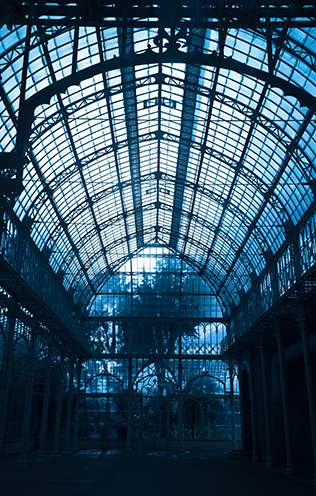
147 473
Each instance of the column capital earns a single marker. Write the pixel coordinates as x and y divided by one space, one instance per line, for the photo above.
301 319
277 330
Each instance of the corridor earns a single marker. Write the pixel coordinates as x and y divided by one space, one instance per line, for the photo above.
147 473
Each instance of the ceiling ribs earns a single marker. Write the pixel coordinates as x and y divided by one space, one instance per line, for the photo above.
125 37
75 154
267 124
189 143
217 155
45 189
187 124
288 156
151 57
112 131
151 178
244 151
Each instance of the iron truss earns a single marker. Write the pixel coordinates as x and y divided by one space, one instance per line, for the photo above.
168 128
141 14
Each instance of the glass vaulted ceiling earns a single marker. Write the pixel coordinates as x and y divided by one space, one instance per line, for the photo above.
206 147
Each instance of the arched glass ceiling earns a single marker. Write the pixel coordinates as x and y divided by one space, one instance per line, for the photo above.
155 283
202 140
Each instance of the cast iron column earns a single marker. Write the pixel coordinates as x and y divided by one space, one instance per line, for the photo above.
285 402
180 408
22 463
76 427
69 408
241 395
180 394
58 405
43 431
6 369
128 446
255 451
309 383
269 462
232 403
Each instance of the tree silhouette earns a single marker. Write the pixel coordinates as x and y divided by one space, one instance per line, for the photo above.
157 297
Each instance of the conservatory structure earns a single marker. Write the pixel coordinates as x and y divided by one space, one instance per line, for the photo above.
158 227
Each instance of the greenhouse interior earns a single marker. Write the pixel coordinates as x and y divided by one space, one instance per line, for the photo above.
158 230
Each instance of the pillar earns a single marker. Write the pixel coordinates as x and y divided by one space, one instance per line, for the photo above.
269 462
180 393
255 451
232 402
128 445
242 413
76 426
22 463
180 408
58 405
309 383
69 408
168 406
6 369
285 404
43 431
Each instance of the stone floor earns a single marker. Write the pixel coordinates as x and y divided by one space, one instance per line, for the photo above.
147 473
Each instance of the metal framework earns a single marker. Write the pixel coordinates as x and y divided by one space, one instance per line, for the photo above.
189 126
157 207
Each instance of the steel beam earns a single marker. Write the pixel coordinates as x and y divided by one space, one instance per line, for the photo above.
170 55
192 76
132 14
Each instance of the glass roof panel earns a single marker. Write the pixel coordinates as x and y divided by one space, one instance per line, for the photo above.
60 49
247 47
308 142
292 191
205 149
255 251
270 225
246 198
